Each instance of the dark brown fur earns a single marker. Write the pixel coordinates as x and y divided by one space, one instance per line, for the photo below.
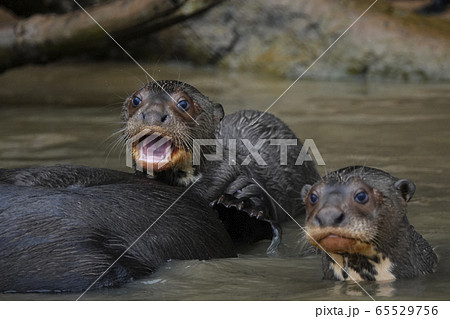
63 239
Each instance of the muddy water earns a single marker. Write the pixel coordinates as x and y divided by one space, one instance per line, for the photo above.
67 114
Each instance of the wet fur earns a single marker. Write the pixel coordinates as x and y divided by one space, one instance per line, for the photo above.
282 182
62 239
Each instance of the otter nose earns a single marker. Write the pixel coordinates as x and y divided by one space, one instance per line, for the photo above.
156 111
329 217
154 117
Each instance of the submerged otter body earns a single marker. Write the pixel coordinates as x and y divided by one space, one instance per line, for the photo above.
64 176
358 216
63 239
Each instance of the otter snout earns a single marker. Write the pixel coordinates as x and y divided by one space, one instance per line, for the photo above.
330 217
155 113
154 118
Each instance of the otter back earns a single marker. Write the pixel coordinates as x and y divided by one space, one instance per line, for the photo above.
64 239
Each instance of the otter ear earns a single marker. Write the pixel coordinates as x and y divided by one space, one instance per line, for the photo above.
305 190
406 188
218 112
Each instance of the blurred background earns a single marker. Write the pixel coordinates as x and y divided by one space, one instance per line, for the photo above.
403 40
379 97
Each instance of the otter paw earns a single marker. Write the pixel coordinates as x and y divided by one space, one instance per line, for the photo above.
242 205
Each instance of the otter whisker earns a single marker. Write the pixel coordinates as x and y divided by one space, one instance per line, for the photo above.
118 142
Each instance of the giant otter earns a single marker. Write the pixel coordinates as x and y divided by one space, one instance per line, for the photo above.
181 114
161 122
63 239
358 216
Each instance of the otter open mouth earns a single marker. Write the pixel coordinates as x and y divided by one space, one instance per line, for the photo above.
154 151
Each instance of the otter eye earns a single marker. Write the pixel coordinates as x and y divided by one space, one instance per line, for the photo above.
136 101
183 104
313 198
362 197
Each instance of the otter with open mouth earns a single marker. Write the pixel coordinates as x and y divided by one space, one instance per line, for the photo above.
357 215
162 121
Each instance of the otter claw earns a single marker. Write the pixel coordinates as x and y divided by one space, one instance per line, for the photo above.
221 200
242 204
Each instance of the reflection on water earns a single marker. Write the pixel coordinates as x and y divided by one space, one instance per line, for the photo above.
67 114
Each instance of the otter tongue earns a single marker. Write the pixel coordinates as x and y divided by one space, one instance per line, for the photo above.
155 149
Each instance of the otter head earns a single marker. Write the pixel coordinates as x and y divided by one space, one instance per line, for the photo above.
356 210
162 119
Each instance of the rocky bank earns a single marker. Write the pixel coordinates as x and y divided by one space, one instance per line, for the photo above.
284 37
